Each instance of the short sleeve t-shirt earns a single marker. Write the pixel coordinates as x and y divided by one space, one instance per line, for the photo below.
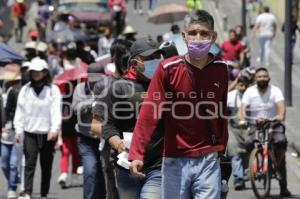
266 22
262 106
231 51
234 99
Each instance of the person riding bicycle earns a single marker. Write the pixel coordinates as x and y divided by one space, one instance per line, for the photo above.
264 101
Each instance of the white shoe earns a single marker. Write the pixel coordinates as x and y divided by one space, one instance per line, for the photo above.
62 180
80 170
141 11
26 196
12 194
44 197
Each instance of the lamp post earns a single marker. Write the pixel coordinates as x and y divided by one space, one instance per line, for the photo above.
244 22
287 54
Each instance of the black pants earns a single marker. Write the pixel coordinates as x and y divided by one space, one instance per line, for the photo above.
35 144
282 171
120 22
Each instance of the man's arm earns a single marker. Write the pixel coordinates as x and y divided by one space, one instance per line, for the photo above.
56 113
224 121
232 85
116 143
242 57
244 105
103 123
281 110
280 105
96 126
242 112
147 122
149 116
113 139
20 116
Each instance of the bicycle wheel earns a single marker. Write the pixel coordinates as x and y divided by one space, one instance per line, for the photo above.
260 177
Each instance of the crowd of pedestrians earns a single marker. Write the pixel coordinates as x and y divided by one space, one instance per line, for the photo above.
139 118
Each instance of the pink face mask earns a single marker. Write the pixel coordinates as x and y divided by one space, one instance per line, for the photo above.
198 49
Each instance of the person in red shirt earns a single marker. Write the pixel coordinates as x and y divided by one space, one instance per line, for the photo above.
19 9
190 94
232 48
119 9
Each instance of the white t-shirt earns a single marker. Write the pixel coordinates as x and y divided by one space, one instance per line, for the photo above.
262 106
234 99
39 114
266 23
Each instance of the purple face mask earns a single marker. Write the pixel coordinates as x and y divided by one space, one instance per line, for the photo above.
198 49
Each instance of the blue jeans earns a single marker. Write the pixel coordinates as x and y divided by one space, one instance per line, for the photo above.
185 178
237 168
9 165
134 187
93 179
293 44
152 4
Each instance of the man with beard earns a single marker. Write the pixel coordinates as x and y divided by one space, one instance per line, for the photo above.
232 49
265 102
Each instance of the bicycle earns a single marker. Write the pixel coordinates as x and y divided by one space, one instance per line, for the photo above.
262 161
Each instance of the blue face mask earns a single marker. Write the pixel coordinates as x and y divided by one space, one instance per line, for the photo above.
150 67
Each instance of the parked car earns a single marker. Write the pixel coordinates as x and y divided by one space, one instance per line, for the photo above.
92 14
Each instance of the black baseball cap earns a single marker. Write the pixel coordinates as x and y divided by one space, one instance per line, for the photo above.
144 47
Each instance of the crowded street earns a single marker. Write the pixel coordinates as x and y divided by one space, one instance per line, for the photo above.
103 99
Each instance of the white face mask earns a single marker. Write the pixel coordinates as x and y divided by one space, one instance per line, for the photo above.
150 67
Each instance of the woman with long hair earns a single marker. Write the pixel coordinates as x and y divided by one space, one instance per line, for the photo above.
38 121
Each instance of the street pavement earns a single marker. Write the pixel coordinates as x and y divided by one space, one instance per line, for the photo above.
232 10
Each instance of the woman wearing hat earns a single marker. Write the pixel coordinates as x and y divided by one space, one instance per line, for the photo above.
129 33
38 121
